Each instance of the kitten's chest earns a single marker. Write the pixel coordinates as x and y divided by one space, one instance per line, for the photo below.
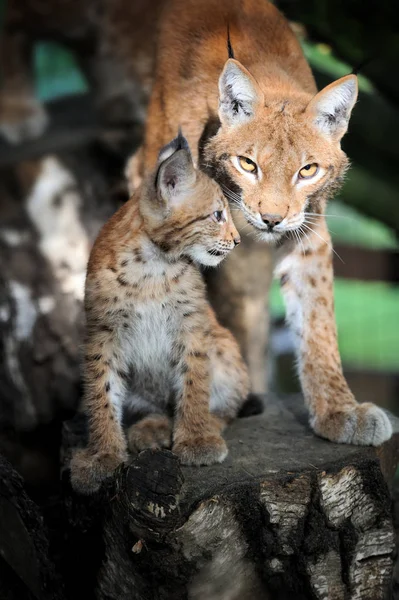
158 297
154 329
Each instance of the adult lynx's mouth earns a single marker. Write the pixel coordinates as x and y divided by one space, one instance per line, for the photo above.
264 232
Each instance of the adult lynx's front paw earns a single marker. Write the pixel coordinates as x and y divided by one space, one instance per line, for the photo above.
198 451
360 424
89 470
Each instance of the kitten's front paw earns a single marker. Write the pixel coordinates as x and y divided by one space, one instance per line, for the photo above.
360 424
154 431
201 450
89 470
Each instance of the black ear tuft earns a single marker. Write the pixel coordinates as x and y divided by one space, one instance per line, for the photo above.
178 143
230 50
181 141
361 65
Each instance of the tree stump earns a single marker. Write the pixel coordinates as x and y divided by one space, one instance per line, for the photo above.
287 515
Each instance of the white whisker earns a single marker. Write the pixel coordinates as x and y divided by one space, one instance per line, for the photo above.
312 223
329 215
325 241
306 235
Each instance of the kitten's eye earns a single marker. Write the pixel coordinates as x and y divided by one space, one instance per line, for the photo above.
218 214
247 164
308 171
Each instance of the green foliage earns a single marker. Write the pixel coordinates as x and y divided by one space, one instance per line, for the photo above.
349 226
321 57
57 72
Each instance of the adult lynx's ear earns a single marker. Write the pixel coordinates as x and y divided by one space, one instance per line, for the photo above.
331 108
176 174
239 94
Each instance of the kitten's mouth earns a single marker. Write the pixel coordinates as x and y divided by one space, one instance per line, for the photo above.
216 252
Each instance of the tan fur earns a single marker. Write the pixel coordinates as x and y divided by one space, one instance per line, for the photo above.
281 124
148 318
176 50
154 431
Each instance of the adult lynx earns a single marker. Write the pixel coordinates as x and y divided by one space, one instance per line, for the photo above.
259 127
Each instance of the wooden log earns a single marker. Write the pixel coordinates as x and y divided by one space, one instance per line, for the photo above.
287 515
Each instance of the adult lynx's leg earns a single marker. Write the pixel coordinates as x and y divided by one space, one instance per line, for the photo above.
238 291
307 286
229 375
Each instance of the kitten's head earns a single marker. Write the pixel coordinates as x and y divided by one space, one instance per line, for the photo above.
185 212
278 153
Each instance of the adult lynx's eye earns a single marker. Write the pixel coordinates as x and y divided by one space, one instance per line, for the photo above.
308 171
247 164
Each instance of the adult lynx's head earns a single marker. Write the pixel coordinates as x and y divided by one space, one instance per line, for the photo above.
277 153
185 212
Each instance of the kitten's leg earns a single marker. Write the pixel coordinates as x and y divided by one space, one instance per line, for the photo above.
22 116
153 431
230 380
197 436
238 290
105 387
307 286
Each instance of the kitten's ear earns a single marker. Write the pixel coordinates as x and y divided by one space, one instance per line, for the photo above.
331 108
176 173
239 94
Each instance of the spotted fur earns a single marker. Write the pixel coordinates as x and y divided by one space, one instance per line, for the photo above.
262 103
153 342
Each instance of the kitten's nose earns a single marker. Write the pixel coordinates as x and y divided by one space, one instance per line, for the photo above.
271 219
237 240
